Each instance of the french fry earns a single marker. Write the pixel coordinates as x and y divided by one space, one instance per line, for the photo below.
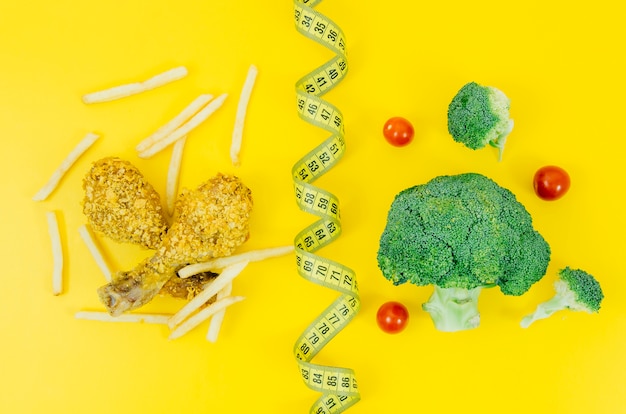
224 278
165 77
222 262
94 249
122 91
67 163
242 108
189 111
57 253
203 315
184 129
216 321
173 174
126 317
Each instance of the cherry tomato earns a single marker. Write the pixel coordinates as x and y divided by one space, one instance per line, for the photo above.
551 182
392 317
398 131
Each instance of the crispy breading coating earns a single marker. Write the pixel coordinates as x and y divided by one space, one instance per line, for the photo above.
122 205
211 221
188 287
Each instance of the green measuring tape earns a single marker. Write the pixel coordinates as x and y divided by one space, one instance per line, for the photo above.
337 385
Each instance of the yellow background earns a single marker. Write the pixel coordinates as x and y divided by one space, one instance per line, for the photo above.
560 63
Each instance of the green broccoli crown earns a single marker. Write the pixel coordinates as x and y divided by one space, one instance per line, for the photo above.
586 289
479 115
461 231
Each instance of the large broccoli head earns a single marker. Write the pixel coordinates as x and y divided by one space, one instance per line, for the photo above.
479 115
459 233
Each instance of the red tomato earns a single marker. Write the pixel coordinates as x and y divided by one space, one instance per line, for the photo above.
551 182
392 317
398 131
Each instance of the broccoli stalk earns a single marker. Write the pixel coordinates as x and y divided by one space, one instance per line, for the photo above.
479 115
454 309
461 233
576 290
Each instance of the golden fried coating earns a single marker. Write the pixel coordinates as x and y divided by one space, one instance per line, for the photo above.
121 204
211 221
186 288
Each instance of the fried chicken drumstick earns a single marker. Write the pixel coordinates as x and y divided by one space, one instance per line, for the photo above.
122 205
210 221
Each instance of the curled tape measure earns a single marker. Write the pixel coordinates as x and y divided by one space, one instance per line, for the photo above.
337 385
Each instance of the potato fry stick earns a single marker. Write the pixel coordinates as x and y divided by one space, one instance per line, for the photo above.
129 89
126 317
173 174
67 163
216 321
57 252
203 315
242 108
184 129
222 262
94 249
211 290
189 111
165 77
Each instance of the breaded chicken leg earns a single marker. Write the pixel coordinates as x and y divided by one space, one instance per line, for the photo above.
211 221
122 205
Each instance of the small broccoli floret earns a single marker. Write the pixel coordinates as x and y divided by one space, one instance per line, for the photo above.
479 115
461 233
576 290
